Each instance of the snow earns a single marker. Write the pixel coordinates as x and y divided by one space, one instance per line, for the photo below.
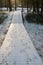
4 27
17 48
35 32
3 8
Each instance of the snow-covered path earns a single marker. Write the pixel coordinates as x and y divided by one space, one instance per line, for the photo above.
17 48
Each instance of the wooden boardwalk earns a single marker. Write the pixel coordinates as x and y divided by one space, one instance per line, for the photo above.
17 48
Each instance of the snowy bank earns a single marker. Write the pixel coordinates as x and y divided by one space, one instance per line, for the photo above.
4 27
35 32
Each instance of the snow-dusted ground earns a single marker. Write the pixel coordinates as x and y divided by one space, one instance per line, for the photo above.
17 48
4 27
35 32
18 8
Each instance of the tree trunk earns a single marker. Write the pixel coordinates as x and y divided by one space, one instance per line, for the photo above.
9 3
22 4
33 3
27 6
37 6
41 6
1 5
15 4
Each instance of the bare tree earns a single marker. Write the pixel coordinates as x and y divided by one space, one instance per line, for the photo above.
41 6
9 3
15 4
